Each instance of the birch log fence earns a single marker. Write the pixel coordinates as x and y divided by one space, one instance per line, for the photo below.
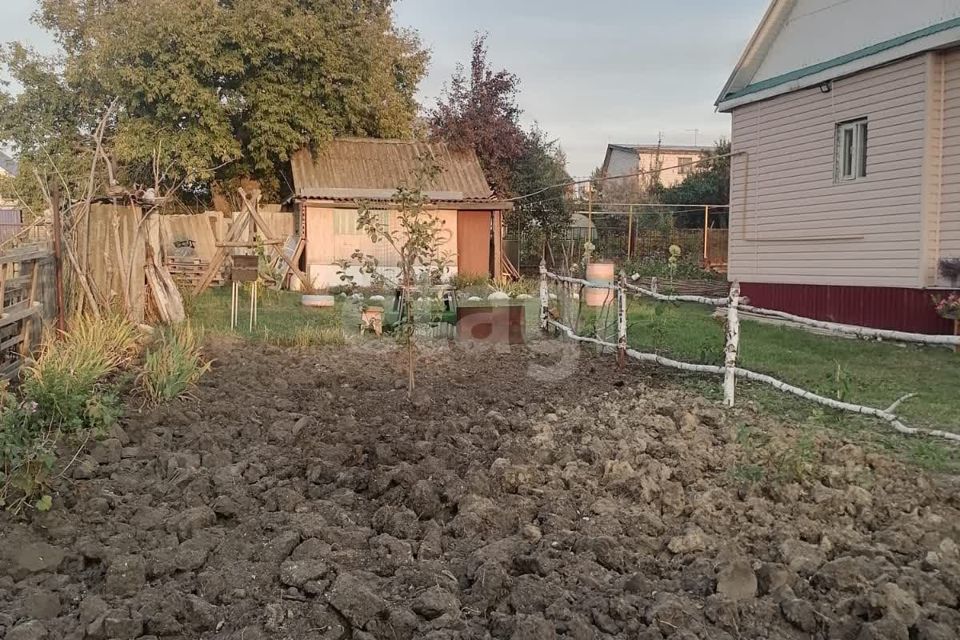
730 371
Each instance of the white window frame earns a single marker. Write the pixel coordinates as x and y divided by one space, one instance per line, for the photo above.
850 150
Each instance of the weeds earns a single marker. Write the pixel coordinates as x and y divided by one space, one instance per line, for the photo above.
64 394
173 364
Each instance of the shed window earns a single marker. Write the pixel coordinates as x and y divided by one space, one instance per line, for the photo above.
685 165
346 221
851 150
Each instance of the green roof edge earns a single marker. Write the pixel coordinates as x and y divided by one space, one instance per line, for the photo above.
844 59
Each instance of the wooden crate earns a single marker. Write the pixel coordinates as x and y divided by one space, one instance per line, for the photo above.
189 271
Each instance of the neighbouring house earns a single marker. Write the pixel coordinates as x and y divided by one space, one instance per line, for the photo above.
8 166
672 163
331 182
844 194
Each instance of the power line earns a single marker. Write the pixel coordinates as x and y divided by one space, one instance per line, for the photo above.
571 183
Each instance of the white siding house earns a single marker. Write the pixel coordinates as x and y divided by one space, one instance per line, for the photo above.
845 196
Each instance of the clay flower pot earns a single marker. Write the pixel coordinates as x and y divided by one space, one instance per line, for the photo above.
316 300
372 318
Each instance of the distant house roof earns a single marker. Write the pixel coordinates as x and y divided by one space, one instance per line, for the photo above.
349 169
8 165
664 148
637 149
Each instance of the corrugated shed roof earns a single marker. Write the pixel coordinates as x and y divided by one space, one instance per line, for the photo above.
363 167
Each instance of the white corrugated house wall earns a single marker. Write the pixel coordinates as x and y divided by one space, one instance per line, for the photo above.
791 222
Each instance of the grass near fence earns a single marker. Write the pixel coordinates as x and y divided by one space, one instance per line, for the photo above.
864 372
281 319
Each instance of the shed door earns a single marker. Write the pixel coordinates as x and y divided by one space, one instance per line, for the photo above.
473 242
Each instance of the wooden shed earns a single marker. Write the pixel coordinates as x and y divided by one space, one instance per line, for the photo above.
330 183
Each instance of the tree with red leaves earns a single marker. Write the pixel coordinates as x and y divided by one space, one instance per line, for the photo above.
479 111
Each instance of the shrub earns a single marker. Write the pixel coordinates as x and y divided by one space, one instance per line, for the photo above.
64 393
173 364
64 381
464 281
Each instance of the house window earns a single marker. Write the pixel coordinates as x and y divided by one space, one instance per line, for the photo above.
685 165
851 150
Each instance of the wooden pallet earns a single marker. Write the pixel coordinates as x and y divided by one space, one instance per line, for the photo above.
190 271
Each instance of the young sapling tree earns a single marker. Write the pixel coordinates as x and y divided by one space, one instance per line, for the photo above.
417 239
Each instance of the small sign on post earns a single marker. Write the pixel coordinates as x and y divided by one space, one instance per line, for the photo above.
245 269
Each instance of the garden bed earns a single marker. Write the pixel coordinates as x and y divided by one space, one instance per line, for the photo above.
302 495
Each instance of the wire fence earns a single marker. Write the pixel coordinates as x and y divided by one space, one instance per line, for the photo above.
624 234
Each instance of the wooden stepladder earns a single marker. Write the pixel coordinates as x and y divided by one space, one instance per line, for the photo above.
250 214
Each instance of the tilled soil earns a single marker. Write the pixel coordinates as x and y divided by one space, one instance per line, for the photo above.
301 495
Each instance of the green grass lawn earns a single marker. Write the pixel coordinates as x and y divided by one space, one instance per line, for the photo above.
281 319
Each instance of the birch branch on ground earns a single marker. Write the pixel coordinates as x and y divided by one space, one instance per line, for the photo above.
887 416
862 332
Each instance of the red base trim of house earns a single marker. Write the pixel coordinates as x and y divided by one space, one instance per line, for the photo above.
877 307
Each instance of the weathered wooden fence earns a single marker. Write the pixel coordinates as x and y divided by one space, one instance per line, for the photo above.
28 299
730 369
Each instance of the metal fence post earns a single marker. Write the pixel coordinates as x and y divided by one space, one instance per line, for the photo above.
622 320
544 295
732 346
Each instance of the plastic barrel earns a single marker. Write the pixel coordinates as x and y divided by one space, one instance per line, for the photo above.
599 272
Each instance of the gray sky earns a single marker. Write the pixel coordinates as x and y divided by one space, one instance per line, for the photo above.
591 71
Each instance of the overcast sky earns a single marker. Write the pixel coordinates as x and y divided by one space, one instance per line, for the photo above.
591 71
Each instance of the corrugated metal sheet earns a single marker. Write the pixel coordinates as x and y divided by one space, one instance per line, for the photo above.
879 307
360 165
10 222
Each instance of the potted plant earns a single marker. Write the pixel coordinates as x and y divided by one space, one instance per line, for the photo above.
314 296
947 306
950 269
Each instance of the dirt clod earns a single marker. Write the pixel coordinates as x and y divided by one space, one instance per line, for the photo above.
736 580
299 494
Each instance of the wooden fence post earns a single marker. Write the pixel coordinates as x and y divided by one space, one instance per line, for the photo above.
622 320
544 296
732 346
653 284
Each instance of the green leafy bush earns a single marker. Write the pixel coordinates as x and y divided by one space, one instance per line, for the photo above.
465 281
173 364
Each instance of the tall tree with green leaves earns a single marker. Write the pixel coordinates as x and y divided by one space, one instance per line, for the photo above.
709 183
218 90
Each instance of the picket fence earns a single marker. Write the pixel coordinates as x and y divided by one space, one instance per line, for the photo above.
730 371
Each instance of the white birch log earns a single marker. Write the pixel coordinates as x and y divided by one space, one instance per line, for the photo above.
732 346
579 281
622 321
714 302
849 329
773 382
544 296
